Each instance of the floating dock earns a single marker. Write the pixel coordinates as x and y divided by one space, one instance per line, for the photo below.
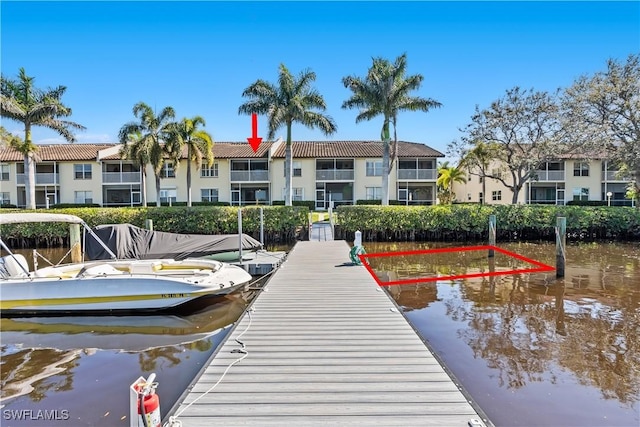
325 346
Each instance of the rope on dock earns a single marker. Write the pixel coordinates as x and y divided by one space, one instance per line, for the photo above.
173 420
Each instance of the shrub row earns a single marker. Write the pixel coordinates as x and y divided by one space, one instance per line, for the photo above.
470 222
281 223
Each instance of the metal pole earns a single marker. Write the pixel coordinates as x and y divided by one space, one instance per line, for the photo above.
148 224
262 226
240 233
492 234
561 241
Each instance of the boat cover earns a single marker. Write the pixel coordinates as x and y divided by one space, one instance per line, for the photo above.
130 242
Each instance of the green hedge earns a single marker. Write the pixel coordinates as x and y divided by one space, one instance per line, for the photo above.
470 222
281 223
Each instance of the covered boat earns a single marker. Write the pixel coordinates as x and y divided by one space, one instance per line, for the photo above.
131 242
114 286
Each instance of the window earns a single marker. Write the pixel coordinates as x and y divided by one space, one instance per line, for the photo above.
480 179
4 172
168 195
4 198
82 171
209 172
580 169
167 170
374 193
209 194
298 193
496 195
580 194
297 169
402 194
481 197
374 168
83 197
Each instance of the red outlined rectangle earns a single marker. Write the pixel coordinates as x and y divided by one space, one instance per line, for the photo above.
540 267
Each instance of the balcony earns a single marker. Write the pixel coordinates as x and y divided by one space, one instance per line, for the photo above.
41 178
614 176
418 174
334 175
250 176
120 177
545 175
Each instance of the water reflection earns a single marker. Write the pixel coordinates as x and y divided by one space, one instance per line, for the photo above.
39 355
534 332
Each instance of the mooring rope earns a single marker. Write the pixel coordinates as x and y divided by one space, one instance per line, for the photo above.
173 420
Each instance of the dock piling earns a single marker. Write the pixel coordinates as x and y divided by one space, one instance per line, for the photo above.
561 242
492 234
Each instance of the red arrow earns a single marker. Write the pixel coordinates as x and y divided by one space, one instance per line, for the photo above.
255 140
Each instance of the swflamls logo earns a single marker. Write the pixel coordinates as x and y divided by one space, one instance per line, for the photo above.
35 415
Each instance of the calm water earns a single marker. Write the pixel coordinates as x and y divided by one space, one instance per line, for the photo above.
530 349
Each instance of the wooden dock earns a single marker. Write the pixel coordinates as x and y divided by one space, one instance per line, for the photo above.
326 346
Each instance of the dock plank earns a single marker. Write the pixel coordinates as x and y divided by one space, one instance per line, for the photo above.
326 346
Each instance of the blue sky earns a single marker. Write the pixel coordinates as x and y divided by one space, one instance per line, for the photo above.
199 56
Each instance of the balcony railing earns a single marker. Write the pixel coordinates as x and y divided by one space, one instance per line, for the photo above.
249 176
334 175
41 178
549 175
120 177
613 176
422 174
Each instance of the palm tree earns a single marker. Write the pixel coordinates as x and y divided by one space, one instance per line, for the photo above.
154 132
22 102
198 142
291 100
447 175
478 160
386 91
135 148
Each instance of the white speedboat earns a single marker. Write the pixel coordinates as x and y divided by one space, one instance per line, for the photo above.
115 286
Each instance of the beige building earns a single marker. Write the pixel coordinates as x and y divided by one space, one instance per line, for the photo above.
557 182
338 171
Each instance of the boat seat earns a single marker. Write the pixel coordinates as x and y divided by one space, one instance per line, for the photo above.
12 266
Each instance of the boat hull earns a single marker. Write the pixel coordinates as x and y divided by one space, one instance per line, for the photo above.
119 287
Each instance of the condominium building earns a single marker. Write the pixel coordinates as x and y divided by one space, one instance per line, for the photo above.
341 172
555 182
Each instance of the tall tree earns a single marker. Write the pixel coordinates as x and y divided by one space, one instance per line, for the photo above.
603 112
23 102
153 133
292 100
386 91
447 175
477 161
135 148
199 145
525 129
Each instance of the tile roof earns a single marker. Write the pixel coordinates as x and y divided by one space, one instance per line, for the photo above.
57 152
320 149
236 150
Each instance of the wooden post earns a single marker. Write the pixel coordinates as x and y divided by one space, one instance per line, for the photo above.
148 224
492 234
74 242
561 241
